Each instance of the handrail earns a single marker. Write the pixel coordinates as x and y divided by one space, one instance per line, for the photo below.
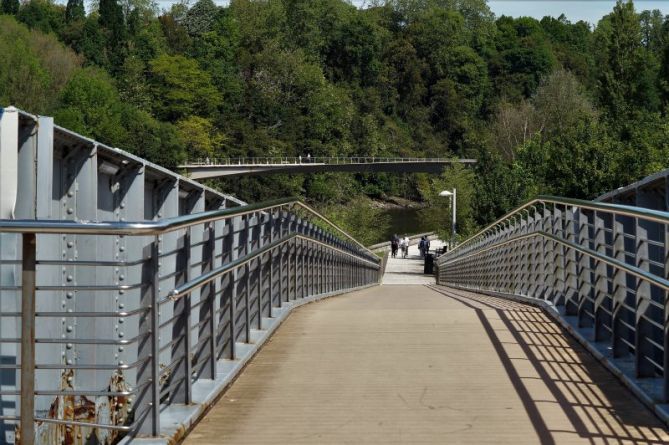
336 160
621 265
159 227
202 280
619 209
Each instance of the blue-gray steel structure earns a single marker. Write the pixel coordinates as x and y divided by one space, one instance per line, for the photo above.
651 192
601 268
131 326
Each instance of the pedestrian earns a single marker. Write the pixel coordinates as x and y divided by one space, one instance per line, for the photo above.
404 245
300 159
394 245
427 245
421 246
308 157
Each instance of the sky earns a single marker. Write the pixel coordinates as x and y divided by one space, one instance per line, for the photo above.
575 10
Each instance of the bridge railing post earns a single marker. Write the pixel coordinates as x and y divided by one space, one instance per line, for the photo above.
181 377
147 404
602 302
27 374
585 269
645 353
619 289
209 310
245 250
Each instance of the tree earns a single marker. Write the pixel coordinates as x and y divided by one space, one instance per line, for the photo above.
201 17
559 104
112 19
149 138
200 136
522 58
365 222
43 15
10 7
180 88
75 11
34 69
90 105
626 77
652 32
354 51
438 207
87 38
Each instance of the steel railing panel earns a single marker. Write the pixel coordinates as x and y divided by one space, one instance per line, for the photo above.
602 265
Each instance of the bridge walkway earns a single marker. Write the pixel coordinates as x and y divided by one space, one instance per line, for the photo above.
420 364
409 270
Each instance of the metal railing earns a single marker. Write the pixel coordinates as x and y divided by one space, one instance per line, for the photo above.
602 266
328 160
200 285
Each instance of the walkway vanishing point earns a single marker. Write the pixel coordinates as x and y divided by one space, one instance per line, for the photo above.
412 363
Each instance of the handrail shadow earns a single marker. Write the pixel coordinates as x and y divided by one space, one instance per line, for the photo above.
597 406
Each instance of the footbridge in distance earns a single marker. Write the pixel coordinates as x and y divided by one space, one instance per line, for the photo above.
215 168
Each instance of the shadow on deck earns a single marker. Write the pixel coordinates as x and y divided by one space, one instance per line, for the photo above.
598 412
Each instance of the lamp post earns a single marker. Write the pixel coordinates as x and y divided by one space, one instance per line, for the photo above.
453 195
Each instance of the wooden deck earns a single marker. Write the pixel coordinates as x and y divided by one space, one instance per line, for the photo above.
409 364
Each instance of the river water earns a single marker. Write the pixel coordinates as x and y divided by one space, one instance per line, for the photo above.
404 221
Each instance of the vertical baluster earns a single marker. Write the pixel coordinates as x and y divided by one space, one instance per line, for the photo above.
28 289
180 380
644 329
208 310
601 281
248 240
148 373
584 271
619 288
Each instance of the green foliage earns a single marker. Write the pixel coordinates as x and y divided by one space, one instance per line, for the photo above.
546 106
113 21
625 77
91 106
34 67
201 17
10 7
523 56
437 214
200 136
43 15
180 88
361 219
75 11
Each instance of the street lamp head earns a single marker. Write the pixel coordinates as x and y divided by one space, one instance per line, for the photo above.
445 193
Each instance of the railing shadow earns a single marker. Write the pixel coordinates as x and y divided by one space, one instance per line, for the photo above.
533 349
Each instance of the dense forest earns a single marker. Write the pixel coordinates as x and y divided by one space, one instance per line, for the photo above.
546 106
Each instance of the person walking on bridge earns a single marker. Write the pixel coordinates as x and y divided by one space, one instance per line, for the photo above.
423 246
404 246
394 245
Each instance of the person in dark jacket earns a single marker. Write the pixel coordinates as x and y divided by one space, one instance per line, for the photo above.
394 245
423 246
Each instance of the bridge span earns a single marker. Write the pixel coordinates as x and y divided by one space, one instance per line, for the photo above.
415 363
214 168
135 303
